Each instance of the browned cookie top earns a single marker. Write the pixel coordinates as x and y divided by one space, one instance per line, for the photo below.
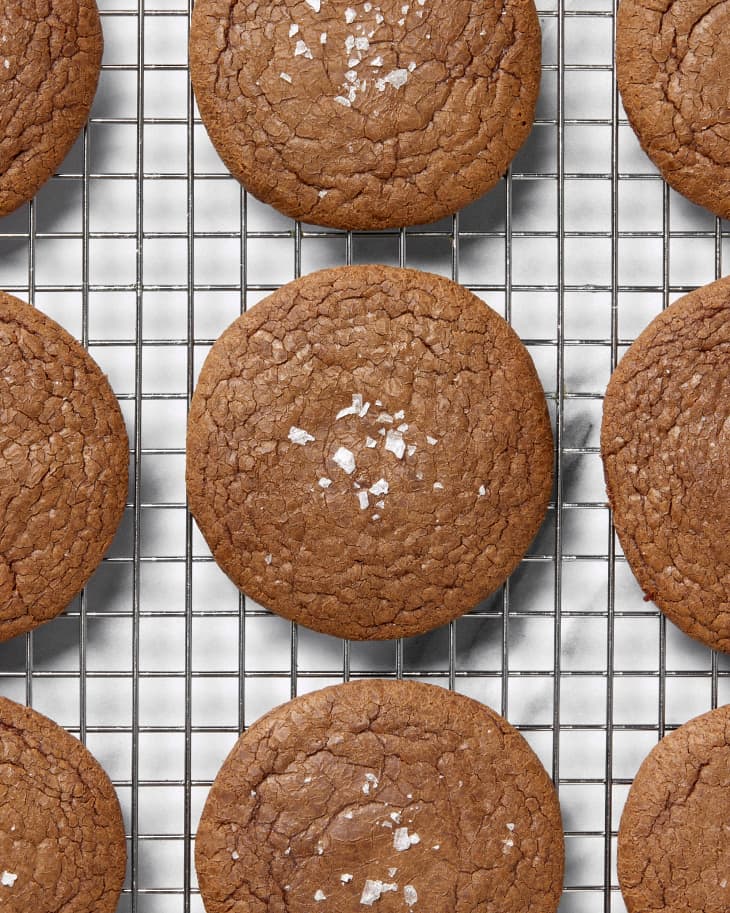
666 453
383 795
366 115
63 467
673 68
50 55
62 842
674 839
369 451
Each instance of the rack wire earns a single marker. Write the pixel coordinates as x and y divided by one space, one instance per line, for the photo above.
145 249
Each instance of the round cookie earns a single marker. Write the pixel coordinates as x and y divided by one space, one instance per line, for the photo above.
674 82
62 844
385 794
50 57
63 467
665 442
366 115
674 840
369 451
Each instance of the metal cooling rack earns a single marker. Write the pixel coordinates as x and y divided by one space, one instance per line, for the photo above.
145 249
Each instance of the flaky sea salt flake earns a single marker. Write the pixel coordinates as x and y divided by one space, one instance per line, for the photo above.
300 436
380 487
345 459
395 443
373 889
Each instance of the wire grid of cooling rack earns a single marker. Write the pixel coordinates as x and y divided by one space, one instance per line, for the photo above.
145 249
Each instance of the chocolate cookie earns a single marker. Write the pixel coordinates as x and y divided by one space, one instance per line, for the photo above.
674 840
62 843
50 57
369 451
665 442
366 115
63 467
386 794
672 69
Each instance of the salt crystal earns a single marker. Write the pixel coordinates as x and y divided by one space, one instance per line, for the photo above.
395 443
315 4
370 442
381 487
302 48
403 841
324 482
299 436
268 559
350 15
370 779
362 497
345 459
410 895
376 61
285 76
345 878
438 486
293 29
373 889
319 895
356 406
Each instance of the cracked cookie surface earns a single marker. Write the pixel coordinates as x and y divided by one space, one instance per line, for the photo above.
366 115
62 845
63 467
674 838
665 443
674 76
50 57
383 794
369 451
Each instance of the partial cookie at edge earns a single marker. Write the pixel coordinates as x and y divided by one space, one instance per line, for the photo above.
49 70
62 842
664 442
64 460
385 793
366 116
